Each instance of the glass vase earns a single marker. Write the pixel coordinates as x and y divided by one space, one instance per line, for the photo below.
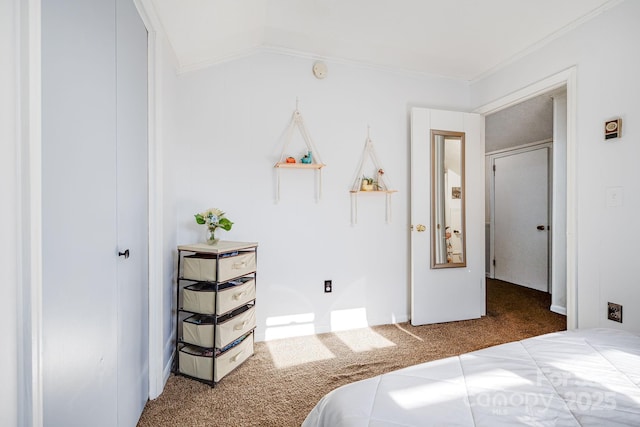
211 236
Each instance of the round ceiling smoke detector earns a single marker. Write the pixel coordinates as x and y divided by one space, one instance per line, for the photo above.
320 70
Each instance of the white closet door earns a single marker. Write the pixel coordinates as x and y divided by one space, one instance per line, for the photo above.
79 323
132 184
94 168
521 211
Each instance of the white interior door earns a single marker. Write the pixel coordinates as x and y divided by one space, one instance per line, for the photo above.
521 218
446 294
133 283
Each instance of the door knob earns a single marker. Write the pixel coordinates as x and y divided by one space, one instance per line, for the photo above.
540 227
125 254
420 228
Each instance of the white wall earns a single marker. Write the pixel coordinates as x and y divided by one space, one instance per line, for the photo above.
524 123
230 124
604 50
9 224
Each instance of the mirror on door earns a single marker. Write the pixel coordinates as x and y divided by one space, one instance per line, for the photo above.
447 199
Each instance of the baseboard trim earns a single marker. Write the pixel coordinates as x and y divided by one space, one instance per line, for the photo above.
166 372
559 309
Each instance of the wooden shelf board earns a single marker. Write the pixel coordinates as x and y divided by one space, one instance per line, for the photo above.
299 165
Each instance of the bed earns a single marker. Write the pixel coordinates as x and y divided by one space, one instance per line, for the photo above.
571 378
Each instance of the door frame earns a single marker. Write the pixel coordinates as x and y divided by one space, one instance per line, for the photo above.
492 156
566 78
157 371
28 258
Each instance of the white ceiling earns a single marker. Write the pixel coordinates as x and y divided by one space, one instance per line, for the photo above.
462 39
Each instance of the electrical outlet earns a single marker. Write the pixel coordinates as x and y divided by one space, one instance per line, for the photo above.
614 197
615 312
328 286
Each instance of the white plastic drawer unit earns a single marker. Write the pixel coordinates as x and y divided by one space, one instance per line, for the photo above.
202 298
198 329
203 266
198 362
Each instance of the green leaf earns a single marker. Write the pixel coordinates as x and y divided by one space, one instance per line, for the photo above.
225 224
200 219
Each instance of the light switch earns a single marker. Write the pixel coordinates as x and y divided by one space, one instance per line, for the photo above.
614 197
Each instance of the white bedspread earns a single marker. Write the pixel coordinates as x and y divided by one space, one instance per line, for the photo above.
574 378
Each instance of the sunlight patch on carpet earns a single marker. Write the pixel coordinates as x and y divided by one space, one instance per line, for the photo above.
298 351
408 333
363 340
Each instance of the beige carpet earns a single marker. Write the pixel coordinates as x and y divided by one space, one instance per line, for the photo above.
280 384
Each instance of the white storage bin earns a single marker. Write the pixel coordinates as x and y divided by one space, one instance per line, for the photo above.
196 362
233 357
201 298
199 364
235 327
240 292
203 266
198 330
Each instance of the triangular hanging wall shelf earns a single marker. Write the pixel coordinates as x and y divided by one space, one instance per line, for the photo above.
376 183
310 161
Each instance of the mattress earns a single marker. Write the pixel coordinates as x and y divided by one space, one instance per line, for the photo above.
571 378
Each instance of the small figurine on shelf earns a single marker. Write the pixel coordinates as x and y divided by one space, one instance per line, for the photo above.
307 159
290 160
379 180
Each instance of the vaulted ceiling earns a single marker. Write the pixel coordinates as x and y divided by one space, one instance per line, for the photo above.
462 39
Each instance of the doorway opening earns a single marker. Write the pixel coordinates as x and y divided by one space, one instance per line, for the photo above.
527 308
526 195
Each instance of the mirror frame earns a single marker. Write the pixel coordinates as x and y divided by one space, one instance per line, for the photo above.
434 227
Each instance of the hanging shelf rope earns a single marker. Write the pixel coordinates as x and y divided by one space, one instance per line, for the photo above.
310 161
377 184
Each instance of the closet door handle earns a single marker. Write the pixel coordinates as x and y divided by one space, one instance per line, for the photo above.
540 227
125 254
